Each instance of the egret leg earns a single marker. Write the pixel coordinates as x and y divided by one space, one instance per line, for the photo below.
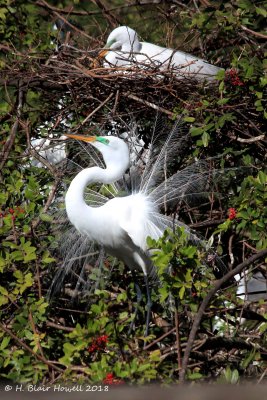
148 305
138 301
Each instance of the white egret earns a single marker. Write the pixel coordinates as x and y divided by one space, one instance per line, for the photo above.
54 154
252 288
124 49
122 224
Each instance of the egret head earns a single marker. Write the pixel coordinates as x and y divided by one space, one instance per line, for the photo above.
115 151
122 38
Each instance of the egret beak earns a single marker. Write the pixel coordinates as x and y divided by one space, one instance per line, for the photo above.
82 137
102 53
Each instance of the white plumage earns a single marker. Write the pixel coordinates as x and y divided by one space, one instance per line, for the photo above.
54 154
122 224
124 49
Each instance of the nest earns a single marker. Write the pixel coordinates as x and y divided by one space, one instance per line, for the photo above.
96 93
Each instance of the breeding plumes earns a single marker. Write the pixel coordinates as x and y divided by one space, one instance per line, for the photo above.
124 49
121 225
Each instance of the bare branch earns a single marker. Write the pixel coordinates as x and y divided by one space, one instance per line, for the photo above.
197 320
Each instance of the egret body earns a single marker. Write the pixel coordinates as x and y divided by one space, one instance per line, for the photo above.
122 224
123 48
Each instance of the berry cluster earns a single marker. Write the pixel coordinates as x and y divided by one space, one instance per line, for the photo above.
232 213
111 380
13 212
233 78
98 344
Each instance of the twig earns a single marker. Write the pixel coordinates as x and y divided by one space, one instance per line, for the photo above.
116 102
48 202
38 279
261 35
96 109
206 224
251 140
159 339
262 376
10 141
43 3
205 302
27 348
148 103
178 342
36 334
59 327
230 250
112 19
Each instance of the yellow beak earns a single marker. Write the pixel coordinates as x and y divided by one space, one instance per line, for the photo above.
81 137
102 53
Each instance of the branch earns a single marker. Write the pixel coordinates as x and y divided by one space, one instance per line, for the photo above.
97 108
148 103
251 140
27 348
261 35
44 4
10 141
205 303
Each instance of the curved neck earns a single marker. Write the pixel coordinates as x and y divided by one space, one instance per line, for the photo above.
132 46
78 211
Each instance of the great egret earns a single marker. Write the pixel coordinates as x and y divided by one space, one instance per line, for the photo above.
123 49
54 154
122 224
252 288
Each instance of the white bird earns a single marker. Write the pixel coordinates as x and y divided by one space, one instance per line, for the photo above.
122 224
124 49
252 288
54 154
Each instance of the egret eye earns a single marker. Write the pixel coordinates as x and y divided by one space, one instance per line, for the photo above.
102 140
117 46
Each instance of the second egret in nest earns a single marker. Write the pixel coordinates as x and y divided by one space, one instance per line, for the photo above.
123 49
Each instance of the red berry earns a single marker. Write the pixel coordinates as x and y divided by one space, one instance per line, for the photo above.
232 213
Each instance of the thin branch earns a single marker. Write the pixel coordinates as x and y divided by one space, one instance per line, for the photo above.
97 108
178 341
10 141
260 35
197 320
159 339
148 103
59 327
251 140
206 224
44 4
27 348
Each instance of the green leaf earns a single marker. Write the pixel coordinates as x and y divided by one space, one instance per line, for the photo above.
5 342
262 177
194 375
205 139
261 11
189 119
196 131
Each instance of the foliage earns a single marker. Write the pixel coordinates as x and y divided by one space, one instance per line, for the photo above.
43 92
